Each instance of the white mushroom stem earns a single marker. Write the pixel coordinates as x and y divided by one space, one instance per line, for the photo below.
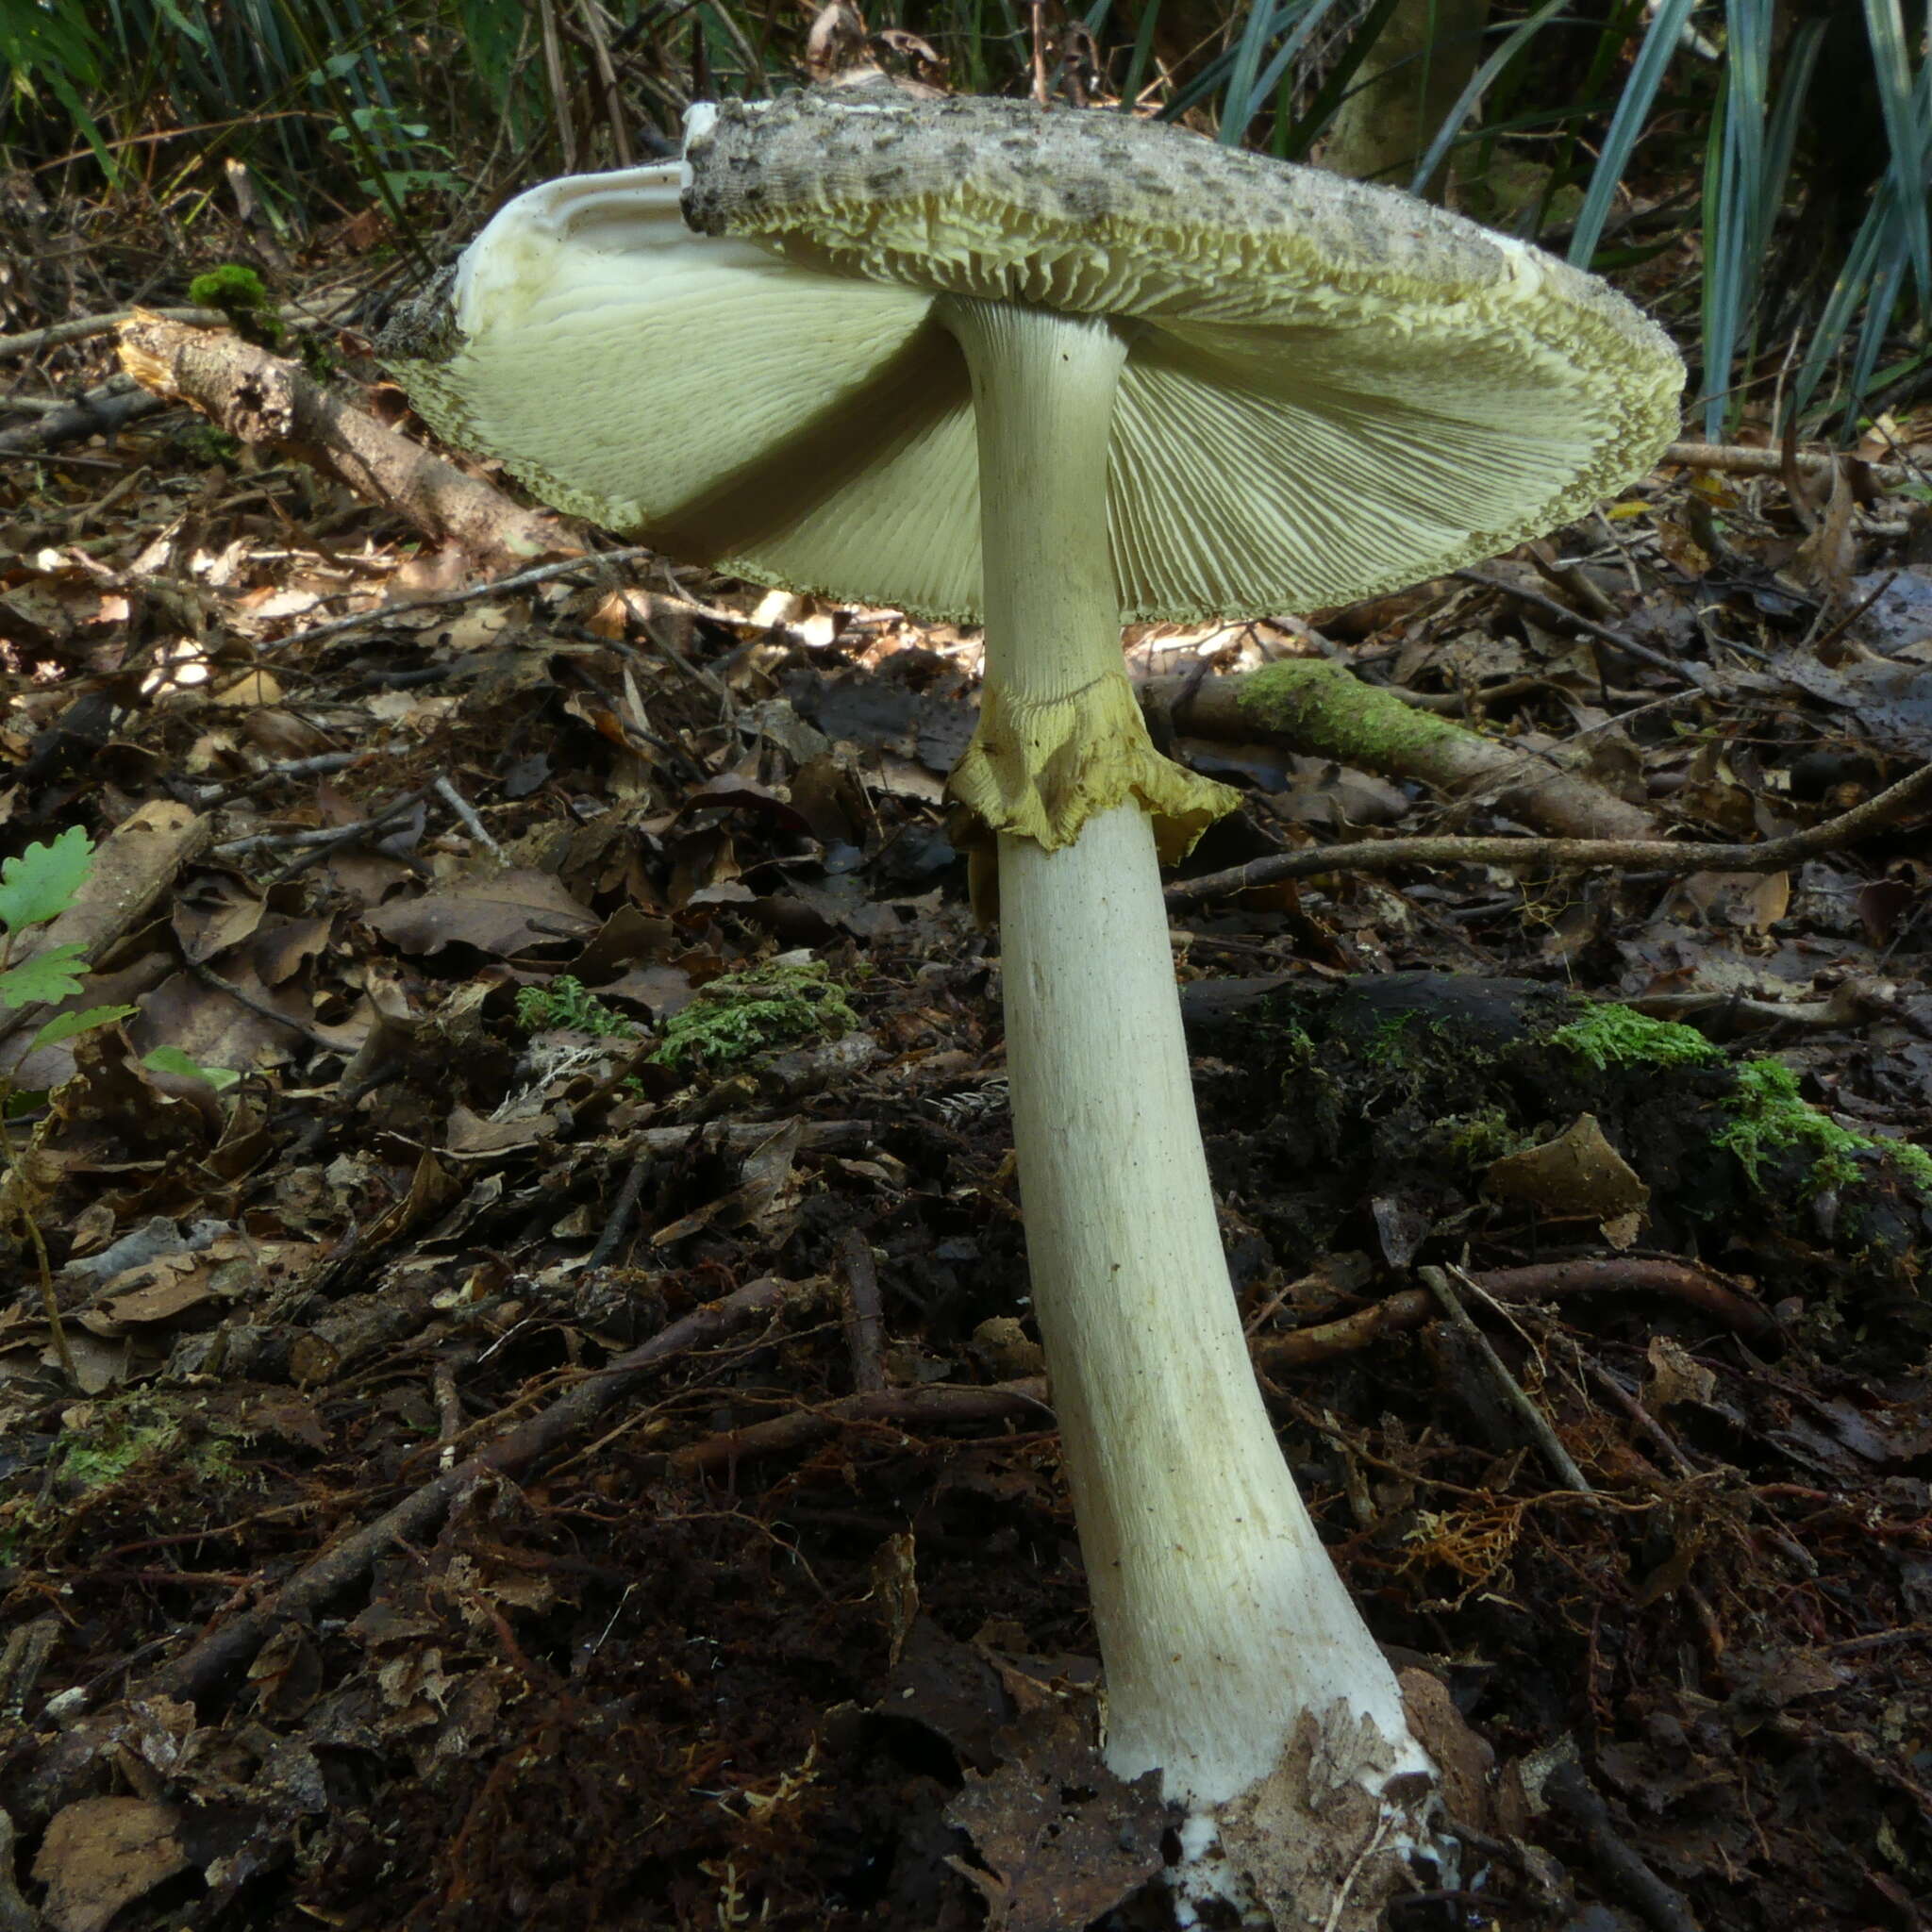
1222 1621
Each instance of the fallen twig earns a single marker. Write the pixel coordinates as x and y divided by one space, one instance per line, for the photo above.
266 399
1731 459
320 841
1618 1865
1411 1307
1681 1280
621 1210
1324 711
864 1314
94 414
492 587
31 341
1647 855
1511 1390
467 812
929 1407
1575 620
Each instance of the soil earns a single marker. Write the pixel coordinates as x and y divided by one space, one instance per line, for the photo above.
516 1477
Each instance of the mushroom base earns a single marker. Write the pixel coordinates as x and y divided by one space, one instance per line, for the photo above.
1326 1839
1040 765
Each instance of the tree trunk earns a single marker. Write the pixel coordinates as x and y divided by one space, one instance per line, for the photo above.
1402 93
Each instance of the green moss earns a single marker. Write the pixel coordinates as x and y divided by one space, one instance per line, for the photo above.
563 1004
231 286
202 442
775 1005
1476 1139
107 1450
238 293
1385 1049
121 1434
1768 1116
1318 703
1614 1035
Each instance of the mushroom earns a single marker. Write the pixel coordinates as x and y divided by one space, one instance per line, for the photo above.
1058 371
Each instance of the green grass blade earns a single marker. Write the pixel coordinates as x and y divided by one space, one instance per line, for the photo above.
1737 190
1143 55
1321 110
1886 288
1275 72
1882 223
1237 103
1904 124
1627 124
1781 138
1518 36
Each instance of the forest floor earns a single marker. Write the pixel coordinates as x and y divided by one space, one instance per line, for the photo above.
581 973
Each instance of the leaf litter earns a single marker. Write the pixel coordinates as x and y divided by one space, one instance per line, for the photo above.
520 1471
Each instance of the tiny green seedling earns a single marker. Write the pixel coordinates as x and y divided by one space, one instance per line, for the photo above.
377 134
35 888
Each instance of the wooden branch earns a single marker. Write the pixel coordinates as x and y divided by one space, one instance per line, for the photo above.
1409 1307
938 1405
1647 855
264 398
219 1653
1324 711
1732 459
31 341
100 412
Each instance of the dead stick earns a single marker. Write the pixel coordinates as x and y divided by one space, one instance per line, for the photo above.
90 415
1412 1307
865 1318
1633 854
1321 708
1512 1391
31 341
1731 459
217 1654
267 399
1575 620
1011 1401
1622 1869
929 1407
1679 1279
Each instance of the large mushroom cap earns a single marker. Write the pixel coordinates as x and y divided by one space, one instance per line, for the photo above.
1331 390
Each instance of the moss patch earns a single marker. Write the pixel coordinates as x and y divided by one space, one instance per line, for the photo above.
779 1004
1769 1117
565 1003
1307 699
118 1435
1614 1035
1403 1090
